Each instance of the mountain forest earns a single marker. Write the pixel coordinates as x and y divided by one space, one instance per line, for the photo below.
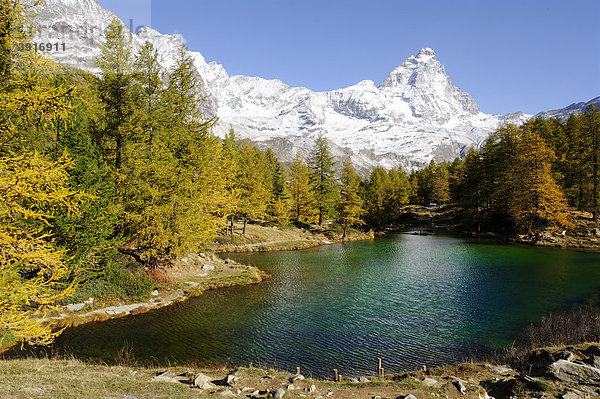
126 163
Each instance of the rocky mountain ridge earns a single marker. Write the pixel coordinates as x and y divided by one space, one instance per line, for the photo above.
415 115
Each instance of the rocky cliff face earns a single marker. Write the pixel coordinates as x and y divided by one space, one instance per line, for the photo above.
415 115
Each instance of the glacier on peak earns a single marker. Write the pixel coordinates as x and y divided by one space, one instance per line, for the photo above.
415 115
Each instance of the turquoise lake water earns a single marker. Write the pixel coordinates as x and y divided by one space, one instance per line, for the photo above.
412 300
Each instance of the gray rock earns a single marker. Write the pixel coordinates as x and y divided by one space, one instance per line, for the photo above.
353 380
74 307
363 379
130 397
279 393
227 393
410 396
574 373
38 391
298 377
595 361
208 267
203 382
231 379
571 395
429 381
502 370
165 377
312 389
291 387
154 293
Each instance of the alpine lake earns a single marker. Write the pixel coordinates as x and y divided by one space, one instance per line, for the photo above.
409 299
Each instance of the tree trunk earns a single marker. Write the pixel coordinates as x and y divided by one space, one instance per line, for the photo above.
231 225
118 151
320 217
580 194
345 231
595 165
244 231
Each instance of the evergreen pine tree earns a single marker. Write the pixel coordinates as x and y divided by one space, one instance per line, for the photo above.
115 65
350 206
323 178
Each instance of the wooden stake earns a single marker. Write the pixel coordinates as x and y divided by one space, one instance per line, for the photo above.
382 372
336 377
297 370
424 368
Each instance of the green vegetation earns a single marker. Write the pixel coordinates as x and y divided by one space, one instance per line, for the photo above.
107 181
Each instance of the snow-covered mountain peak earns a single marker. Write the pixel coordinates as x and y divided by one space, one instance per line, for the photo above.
426 52
415 115
422 69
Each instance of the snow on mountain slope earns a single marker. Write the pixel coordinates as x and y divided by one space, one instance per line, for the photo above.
415 115
575 108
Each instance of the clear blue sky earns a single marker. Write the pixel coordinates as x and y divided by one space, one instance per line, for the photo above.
509 55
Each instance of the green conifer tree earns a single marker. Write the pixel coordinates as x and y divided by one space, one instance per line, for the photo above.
322 178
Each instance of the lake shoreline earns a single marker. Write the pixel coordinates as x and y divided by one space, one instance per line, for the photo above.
77 314
447 220
543 374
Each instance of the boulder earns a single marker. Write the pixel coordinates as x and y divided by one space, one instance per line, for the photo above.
353 380
363 379
410 396
227 393
312 389
166 377
502 370
279 393
571 395
298 377
208 267
430 381
231 379
574 373
74 307
203 382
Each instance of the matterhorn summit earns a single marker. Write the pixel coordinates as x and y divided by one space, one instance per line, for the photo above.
415 115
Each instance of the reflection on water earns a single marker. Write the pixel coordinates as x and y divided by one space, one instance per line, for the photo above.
412 300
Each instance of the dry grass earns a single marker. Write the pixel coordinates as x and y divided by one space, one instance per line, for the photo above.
24 378
575 326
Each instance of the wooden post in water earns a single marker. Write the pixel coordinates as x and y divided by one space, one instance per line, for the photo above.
424 368
379 368
336 377
382 372
297 370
